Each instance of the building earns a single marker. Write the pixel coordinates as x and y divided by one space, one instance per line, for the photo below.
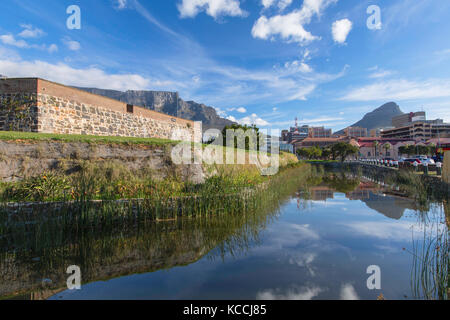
406 119
356 132
378 148
316 142
295 133
37 105
286 147
319 132
419 130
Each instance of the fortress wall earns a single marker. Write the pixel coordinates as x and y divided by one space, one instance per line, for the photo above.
18 105
42 106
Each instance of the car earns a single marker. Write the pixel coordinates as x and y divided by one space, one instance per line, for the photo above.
438 158
411 160
427 160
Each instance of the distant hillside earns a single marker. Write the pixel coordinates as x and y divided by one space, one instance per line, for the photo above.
380 117
166 102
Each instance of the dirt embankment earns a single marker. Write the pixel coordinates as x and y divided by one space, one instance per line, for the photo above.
22 159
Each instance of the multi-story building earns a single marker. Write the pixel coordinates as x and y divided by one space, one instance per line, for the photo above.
356 132
295 134
407 118
286 147
419 130
319 132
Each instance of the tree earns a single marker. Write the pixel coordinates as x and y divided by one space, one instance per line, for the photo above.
326 153
303 152
423 150
236 128
375 146
408 149
386 147
310 153
343 150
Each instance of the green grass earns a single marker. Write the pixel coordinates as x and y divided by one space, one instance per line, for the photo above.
33 136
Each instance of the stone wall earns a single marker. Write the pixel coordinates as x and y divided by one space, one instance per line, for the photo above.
57 115
18 112
24 159
38 105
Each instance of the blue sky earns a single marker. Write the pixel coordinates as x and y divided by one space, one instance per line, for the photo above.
256 61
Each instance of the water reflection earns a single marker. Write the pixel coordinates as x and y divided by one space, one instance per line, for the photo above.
315 244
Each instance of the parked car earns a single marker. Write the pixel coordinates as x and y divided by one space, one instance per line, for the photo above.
411 160
427 160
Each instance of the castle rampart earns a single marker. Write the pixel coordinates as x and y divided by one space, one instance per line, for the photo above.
37 105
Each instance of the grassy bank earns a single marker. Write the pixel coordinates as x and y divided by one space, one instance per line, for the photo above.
112 180
34 137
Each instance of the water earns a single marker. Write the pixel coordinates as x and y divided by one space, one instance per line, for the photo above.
317 245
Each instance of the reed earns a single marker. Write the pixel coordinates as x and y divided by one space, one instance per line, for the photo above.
431 265
137 235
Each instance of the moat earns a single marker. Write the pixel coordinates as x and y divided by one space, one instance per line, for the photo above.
317 243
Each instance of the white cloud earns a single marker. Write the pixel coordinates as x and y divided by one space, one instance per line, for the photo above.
30 32
121 4
348 292
254 120
298 66
220 112
400 89
62 73
381 74
214 8
442 52
267 3
10 40
290 27
240 109
341 29
71 44
281 4
52 48
395 231
304 260
305 293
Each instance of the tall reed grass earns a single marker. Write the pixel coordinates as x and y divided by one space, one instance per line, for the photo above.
155 232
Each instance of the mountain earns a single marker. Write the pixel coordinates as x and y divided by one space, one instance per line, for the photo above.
168 103
379 118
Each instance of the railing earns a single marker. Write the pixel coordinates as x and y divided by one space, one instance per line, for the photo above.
393 164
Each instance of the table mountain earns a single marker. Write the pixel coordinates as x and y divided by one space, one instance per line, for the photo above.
379 118
169 103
